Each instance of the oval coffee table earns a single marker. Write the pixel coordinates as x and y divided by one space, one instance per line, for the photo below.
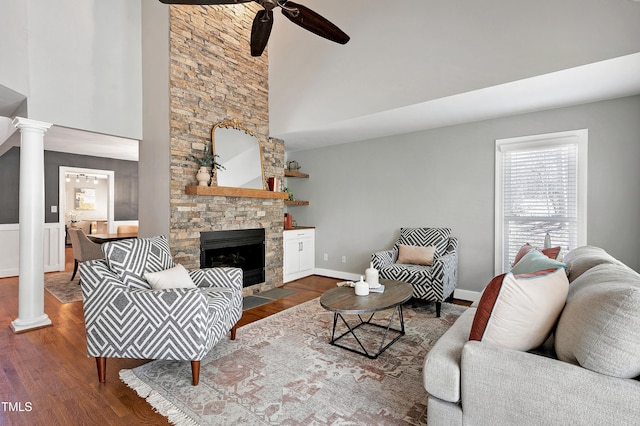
343 301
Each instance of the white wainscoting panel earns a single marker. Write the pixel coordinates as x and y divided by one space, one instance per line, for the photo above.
10 249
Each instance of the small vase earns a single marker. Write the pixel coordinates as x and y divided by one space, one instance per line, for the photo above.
203 176
361 288
372 276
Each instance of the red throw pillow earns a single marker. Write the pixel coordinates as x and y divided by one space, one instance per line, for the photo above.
550 252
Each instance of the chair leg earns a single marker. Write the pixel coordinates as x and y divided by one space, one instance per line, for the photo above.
195 372
233 332
75 269
438 306
101 363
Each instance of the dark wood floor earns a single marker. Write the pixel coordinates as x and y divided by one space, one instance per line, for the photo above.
46 377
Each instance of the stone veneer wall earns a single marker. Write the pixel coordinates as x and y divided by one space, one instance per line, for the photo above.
213 77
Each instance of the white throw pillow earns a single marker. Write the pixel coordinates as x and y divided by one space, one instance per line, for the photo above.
519 311
176 277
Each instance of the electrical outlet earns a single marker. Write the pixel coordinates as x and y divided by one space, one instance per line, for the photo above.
326 257
54 209
344 259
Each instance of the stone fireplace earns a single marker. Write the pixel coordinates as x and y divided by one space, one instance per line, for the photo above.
212 80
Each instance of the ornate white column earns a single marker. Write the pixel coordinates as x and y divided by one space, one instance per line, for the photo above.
31 281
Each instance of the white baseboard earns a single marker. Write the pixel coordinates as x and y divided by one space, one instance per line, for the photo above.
338 274
469 295
461 294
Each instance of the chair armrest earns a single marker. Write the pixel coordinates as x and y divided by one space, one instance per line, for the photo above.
217 277
441 371
222 279
384 258
445 272
505 387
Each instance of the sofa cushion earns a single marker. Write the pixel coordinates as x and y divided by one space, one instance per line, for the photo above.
131 259
599 328
412 274
438 237
519 311
583 258
416 255
534 261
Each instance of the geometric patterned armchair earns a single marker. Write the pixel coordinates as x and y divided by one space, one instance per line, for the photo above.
435 282
126 318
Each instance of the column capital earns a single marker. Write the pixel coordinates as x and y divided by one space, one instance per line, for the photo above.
25 123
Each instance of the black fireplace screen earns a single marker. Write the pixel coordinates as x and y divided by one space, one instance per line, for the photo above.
243 248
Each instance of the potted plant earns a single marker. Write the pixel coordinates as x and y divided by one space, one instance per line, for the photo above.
206 163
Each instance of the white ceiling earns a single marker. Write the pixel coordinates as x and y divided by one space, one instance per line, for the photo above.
609 79
63 139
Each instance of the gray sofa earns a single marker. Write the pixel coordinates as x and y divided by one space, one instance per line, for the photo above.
587 373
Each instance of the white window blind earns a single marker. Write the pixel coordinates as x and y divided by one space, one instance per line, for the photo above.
539 192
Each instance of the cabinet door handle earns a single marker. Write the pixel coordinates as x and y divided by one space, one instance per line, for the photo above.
300 248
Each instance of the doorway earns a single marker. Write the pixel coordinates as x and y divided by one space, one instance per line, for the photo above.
86 200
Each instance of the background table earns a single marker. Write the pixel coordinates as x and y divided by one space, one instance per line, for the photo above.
103 238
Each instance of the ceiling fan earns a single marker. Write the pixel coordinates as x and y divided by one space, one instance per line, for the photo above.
263 22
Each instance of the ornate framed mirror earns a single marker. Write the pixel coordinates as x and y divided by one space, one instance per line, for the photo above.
240 153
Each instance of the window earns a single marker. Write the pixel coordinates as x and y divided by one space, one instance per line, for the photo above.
541 188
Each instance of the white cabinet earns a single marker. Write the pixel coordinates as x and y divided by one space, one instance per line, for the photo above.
299 253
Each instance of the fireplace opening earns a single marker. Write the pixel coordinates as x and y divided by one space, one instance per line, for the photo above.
242 248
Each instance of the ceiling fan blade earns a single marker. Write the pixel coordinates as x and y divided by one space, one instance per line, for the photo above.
260 31
204 2
311 21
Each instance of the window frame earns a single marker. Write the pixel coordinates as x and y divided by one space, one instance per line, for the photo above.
576 137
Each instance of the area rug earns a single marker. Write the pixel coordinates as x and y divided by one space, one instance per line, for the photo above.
58 284
282 370
265 297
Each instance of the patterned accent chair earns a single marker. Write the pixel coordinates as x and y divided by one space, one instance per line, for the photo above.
126 318
435 282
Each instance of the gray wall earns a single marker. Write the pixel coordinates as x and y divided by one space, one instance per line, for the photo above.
125 188
361 193
154 147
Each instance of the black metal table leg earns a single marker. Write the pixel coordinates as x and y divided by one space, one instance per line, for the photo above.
351 331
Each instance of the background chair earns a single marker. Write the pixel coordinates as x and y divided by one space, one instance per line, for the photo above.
126 318
435 282
127 229
83 249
